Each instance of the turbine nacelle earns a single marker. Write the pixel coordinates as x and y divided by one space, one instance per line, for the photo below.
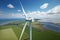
29 19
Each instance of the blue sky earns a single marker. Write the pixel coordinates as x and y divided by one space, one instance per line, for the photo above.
43 9
29 5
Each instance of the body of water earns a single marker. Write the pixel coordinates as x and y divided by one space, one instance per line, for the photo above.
4 21
51 26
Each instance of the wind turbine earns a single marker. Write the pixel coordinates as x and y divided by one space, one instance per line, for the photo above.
27 19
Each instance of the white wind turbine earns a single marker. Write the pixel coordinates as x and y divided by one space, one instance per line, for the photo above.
27 19
30 19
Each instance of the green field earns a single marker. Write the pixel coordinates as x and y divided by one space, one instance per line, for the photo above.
12 31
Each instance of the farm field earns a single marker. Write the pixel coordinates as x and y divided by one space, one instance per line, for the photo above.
12 32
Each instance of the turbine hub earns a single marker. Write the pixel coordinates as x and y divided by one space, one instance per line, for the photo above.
29 19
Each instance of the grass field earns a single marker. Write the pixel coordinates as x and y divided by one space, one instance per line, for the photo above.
12 32
7 34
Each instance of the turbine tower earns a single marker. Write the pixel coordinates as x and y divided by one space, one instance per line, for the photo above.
27 19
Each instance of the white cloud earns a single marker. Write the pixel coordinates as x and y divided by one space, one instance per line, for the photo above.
49 14
17 15
10 6
11 15
45 5
56 9
19 10
53 15
37 14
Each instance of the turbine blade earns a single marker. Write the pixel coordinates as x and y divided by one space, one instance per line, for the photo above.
23 30
22 8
